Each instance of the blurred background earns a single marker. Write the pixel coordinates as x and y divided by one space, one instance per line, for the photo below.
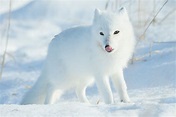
27 27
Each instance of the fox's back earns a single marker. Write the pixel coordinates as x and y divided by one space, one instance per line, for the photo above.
71 48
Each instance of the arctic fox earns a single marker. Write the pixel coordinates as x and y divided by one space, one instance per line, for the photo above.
79 56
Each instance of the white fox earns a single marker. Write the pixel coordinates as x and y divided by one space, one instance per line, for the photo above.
79 56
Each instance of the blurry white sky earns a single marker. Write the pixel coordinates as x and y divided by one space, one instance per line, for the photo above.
4 4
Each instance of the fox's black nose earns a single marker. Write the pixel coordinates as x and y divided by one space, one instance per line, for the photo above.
108 48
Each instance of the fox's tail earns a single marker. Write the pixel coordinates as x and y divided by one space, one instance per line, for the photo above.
36 95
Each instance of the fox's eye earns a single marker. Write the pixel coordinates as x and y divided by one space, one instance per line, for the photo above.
101 33
116 32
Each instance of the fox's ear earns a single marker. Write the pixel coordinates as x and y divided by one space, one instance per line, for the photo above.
97 13
123 12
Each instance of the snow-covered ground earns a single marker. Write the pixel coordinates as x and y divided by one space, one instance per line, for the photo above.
151 79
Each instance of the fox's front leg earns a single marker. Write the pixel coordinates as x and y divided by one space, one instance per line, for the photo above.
120 85
105 89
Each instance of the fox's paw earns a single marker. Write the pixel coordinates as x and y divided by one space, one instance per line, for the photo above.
126 100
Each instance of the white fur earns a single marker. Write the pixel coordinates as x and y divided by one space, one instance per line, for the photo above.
77 57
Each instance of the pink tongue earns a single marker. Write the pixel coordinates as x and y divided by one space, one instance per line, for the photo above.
108 49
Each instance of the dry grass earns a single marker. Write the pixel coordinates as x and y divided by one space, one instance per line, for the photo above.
153 19
7 40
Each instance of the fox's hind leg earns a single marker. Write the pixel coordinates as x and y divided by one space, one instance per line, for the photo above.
53 94
81 91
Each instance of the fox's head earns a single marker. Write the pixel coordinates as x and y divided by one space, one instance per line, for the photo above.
109 28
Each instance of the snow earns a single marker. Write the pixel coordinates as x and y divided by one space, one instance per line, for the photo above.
149 103
4 6
151 79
